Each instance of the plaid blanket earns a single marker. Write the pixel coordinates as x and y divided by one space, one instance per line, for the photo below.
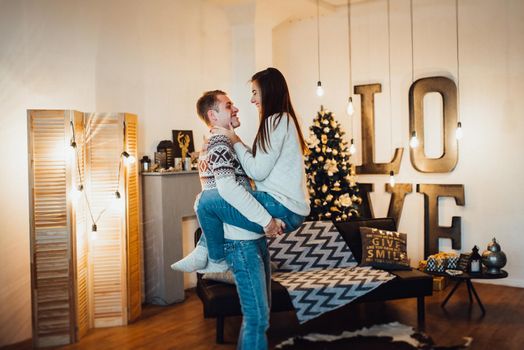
319 271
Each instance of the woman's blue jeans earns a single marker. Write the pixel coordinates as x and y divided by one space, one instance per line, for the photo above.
249 262
213 211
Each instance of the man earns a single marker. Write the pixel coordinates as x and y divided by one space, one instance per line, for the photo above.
245 252
223 178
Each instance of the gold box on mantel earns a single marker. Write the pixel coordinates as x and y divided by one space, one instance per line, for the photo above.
439 283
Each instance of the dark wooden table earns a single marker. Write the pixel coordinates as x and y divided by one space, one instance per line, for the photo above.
467 277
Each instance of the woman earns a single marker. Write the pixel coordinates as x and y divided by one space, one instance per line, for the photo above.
276 165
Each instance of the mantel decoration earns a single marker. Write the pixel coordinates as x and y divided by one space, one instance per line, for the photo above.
331 178
84 223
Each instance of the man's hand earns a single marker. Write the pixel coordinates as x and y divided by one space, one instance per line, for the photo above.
274 228
229 133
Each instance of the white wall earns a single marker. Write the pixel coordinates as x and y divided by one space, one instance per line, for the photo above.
491 89
152 58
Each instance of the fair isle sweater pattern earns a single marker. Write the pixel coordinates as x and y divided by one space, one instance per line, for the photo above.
219 161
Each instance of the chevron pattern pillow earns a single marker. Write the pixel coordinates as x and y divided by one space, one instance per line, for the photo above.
314 245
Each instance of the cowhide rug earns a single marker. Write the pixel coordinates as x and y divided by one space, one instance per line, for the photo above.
386 336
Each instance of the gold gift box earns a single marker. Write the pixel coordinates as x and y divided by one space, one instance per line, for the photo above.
439 282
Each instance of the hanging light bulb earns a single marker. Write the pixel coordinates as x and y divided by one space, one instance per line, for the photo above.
94 234
350 109
320 89
413 142
458 131
76 191
116 202
352 147
128 159
392 178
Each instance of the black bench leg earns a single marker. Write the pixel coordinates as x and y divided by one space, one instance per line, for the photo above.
421 313
220 330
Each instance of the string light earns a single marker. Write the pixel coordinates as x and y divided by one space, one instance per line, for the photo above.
76 191
320 89
128 159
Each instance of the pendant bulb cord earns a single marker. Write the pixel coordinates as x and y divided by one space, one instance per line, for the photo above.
412 45
349 48
458 59
389 81
318 38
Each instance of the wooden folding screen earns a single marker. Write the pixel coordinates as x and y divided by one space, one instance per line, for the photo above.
82 279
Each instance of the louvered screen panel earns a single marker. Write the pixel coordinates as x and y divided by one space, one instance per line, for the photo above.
133 221
104 144
79 215
51 267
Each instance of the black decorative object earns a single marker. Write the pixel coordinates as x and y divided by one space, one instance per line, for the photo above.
474 265
167 147
161 159
463 262
494 258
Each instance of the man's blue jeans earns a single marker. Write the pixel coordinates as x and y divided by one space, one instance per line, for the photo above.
213 211
249 262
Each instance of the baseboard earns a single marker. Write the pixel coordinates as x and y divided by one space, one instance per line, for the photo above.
25 344
510 282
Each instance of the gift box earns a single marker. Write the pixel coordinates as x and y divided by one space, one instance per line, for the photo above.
453 262
441 262
439 283
436 263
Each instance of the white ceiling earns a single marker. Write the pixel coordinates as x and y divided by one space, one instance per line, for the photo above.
285 10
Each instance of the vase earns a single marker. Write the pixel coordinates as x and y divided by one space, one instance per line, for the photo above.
493 258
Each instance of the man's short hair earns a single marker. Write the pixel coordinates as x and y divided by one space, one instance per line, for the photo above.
208 101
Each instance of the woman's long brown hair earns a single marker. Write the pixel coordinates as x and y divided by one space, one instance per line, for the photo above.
275 100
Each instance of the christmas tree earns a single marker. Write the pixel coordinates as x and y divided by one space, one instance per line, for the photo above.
331 178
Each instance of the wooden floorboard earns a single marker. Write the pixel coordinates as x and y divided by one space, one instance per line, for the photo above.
182 326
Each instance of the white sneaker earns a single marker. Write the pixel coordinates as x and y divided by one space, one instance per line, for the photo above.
196 260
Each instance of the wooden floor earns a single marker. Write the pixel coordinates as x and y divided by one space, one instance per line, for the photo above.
182 326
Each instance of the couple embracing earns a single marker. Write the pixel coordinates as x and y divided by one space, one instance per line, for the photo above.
236 218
